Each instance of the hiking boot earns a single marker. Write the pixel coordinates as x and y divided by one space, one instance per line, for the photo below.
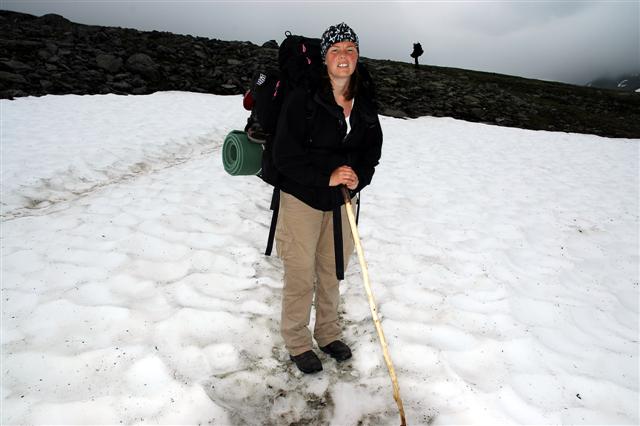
337 350
307 362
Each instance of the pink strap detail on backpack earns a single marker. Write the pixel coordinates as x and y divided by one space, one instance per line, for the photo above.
275 92
304 50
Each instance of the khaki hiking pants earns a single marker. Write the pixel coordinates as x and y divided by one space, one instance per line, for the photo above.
304 239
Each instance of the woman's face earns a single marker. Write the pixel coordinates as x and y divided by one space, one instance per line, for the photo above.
341 59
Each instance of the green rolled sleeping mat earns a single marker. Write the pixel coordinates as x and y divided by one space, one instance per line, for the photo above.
240 156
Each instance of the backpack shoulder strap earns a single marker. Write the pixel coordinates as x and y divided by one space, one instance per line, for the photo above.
275 206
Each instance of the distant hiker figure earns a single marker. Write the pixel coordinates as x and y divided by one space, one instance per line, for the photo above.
417 52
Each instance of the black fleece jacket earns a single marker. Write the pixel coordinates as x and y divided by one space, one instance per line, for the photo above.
311 141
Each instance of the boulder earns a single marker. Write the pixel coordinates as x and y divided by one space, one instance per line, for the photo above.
396 113
12 78
12 65
109 63
55 20
142 64
271 44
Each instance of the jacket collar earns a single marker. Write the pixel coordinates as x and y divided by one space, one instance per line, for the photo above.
329 104
362 107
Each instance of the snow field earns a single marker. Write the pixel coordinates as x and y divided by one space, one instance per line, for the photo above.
504 263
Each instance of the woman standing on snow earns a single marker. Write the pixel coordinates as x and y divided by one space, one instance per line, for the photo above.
339 145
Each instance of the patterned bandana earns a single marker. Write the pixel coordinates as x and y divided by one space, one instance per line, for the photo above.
335 34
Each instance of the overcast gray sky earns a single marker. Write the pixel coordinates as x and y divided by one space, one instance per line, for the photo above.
570 41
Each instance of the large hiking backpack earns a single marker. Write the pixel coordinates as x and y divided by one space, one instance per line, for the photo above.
299 66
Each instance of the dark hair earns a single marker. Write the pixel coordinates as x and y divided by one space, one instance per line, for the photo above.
352 90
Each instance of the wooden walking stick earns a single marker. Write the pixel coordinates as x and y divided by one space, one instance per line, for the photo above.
372 304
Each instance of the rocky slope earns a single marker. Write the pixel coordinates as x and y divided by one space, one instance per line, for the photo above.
51 55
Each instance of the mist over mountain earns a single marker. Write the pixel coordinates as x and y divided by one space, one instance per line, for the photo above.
628 82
